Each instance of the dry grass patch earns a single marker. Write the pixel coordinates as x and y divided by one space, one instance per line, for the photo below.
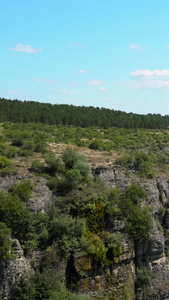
94 157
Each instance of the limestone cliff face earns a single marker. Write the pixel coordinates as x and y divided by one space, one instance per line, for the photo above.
11 271
119 277
150 253
41 195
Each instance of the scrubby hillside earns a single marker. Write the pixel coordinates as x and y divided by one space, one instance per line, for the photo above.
83 212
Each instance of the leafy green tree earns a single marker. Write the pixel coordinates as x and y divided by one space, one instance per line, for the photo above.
69 156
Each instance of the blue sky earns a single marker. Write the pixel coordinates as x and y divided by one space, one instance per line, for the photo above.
102 53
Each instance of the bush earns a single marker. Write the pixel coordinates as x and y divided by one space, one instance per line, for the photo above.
140 223
6 166
54 163
5 162
67 232
96 144
23 190
73 177
113 242
53 183
83 168
5 242
69 157
38 166
143 281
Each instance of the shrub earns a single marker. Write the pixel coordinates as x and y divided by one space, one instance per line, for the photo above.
113 242
139 223
67 232
6 166
143 281
5 162
83 168
23 190
53 183
96 144
54 163
18 141
73 177
95 247
38 166
69 157
5 242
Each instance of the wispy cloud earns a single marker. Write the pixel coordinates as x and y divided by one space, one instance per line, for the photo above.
103 89
72 84
82 71
147 74
149 84
25 48
95 82
45 80
157 79
68 92
76 45
13 91
138 47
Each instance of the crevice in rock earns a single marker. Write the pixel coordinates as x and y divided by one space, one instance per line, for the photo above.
72 276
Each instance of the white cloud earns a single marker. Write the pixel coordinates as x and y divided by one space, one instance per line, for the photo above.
156 79
81 71
76 45
25 48
44 80
103 89
139 47
95 82
149 84
147 74
136 47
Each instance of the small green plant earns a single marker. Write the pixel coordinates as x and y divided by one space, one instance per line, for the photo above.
143 281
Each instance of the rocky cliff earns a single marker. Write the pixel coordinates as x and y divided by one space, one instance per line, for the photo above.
140 271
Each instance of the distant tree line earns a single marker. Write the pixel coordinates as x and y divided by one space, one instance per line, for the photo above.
81 116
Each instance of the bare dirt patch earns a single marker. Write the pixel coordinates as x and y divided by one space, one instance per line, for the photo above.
94 157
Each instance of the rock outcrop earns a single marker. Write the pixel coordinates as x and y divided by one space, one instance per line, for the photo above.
11 271
119 277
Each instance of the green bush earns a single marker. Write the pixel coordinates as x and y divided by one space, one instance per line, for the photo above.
5 162
21 221
143 282
37 166
53 183
96 144
67 232
113 242
94 245
139 223
54 164
6 166
69 157
23 189
5 242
